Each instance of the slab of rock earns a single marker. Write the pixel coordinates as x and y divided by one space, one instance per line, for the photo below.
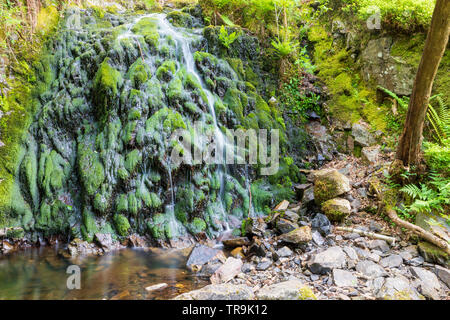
343 278
329 184
370 154
263 265
380 245
351 253
202 255
285 226
317 238
426 276
284 252
327 260
298 236
370 269
223 291
308 196
433 254
236 242
156 287
392 261
230 269
336 209
361 134
443 274
321 224
291 216
288 290
397 288
283 205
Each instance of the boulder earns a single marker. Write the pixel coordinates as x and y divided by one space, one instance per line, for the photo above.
298 236
327 260
426 276
222 291
370 269
397 288
433 254
343 278
287 290
361 134
329 184
321 224
202 255
336 209
285 226
370 154
230 269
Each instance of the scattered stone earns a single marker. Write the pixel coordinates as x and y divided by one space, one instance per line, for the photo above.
426 276
247 267
361 134
397 288
374 257
291 216
362 192
222 291
336 209
428 291
380 245
415 262
370 154
237 252
236 242
327 260
263 265
321 224
351 253
283 205
329 184
285 226
343 278
317 238
308 196
375 227
201 255
155 287
227 271
370 269
298 236
314 277
352 236
443 274
79 247
392 261
288 290
284 252
433 254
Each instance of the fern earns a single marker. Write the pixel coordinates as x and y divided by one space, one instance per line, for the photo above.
439 120
283 48
225 38
402 102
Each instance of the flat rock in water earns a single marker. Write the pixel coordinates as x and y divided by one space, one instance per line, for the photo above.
155 287
327 260
287 290
343 278
202 254
224 291
227 271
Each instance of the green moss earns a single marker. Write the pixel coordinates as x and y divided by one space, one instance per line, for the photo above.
306 293
90 168
89 227
166 71
134 203
138 73
332 212
156 226
148 28
122 225
197 225
180 19
132 159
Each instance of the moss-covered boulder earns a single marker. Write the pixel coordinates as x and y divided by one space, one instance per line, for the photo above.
329 184
433 254
336 209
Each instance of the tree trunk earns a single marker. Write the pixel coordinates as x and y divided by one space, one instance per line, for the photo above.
410 142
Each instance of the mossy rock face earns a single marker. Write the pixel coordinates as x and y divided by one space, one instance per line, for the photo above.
336 209
433 254
122 225
329 184
183 19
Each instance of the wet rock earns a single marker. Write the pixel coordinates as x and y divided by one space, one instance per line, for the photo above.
343 278
284 252
287 290
104 240
443 274
370 269
223 291
298 236
236 242
227 271
285 226
321 224
317 238
327 260
156 287
329 184
426 276
138 241
202 255
79 247
361 134
392 261
380 245
207 270
7 247
336 209
370 154
264 265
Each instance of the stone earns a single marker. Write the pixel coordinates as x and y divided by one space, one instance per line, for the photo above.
361 134
263 265
428 291
417 261
237 252
227 271
104 240
375 227
224 291
443 274
329 184
236 242
298 236
380 245
7 247
397 288
287 290
426 276
247 267
137 241
374 257
308 196
370 269
351 253
79 247
336 209
317 238
285 226
284 252
370 154
433 254
283 205
300 189
202 255
392 261
343 278
321 224
327 260
156 287
291 216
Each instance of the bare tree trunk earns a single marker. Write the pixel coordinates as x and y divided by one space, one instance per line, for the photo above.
410 142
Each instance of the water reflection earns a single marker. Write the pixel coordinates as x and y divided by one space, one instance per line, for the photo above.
39 273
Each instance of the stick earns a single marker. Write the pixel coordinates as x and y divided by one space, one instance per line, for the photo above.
368 234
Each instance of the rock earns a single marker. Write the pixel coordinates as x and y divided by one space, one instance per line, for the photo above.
308 196
207 270
155 287
362 192
352 236
285 226
362 253
443 274
370 154
426 276
374 257
435 224
202 255
351 253
343 278
237 252
317 238
428 291
236 242
284 252
264 265
321 224
300 190
79 247
222 291
392 261
380 245
415 262
361 134
258 248
104 240
227 271
327 260
247 267
329 184
137 241
298 236
287 290
370 269
397 288
283 205
7 247
375 227
336 209
291 216
433 254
